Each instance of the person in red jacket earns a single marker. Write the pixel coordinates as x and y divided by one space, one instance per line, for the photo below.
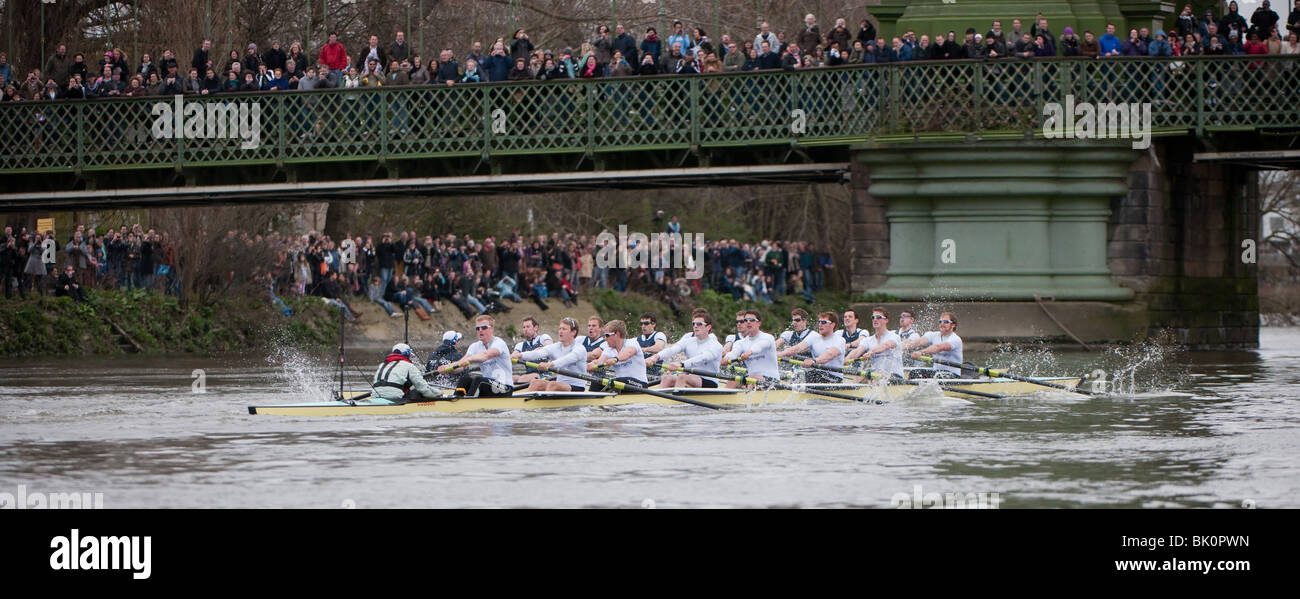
334 56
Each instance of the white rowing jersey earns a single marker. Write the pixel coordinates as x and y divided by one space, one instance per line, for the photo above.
819 345
498 368
633 367
908 335
762 355
952 355
572 357
701 354
889 361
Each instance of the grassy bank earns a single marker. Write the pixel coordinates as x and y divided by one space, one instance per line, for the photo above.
157 324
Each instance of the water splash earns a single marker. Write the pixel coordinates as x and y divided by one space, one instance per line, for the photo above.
1148 367
1037 359
303 375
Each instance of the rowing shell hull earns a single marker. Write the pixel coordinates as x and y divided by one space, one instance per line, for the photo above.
555 400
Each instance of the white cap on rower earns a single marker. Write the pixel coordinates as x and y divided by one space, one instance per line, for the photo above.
451 336
402 348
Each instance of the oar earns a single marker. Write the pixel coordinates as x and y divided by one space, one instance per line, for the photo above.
878 376
622 386
748 380
995 373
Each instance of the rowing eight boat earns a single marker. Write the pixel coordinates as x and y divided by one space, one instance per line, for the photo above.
727 397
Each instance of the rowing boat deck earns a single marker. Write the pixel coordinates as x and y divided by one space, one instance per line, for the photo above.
726 397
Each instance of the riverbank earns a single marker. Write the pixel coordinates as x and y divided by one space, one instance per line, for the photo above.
114 322
133 321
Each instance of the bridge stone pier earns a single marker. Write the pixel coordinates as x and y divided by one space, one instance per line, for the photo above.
1070 242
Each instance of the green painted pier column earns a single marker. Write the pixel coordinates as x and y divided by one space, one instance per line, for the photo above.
999 221
934 16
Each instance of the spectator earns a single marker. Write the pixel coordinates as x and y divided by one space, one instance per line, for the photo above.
398 50
67 286
275 58
419 73
1160 46
1232 21
1089 47
1110 44
625 44
251 61
372 51
520 45
6 70
448 70
59 64
811 35
298 59
1069 43
333 55
498 64
650 44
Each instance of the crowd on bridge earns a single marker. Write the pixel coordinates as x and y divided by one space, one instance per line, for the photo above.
617 53
409 271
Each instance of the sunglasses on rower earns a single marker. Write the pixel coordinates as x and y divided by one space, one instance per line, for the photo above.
482 327
944 321
699 323
823 321
877 316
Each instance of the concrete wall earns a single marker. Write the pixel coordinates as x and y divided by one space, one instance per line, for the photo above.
1176 239
870 233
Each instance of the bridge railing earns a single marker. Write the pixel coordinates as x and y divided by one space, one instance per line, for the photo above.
838 105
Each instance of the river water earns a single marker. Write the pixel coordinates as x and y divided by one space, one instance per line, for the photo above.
1192 429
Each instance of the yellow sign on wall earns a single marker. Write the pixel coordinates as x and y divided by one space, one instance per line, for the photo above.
44 224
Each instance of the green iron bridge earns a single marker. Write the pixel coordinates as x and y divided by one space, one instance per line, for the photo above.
958 192
657 131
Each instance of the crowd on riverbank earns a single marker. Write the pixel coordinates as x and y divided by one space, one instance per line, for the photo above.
618 53
408 270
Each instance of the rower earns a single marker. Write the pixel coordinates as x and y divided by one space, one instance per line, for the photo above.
568 354
398 380
884 348
532 340
444 354
702 351
755 348
650 340
622 353
799 330
827 347
851 333
594 338
905 334
731 338
943 344
494 378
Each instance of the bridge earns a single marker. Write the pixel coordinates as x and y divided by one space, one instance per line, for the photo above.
960 186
